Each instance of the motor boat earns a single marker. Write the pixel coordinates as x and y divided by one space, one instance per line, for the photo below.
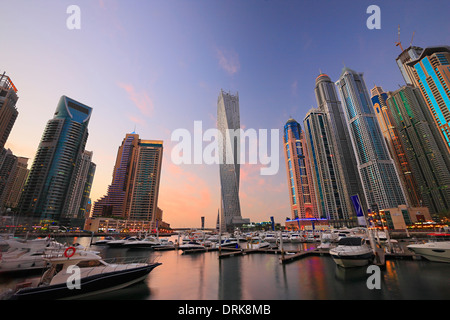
228 243
270 237
327 241
95 276
257 243
433 250
104 241
164 244
120 242
193 244
26 255
352 252
296 237
146 243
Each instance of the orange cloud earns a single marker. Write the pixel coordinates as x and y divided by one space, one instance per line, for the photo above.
141 99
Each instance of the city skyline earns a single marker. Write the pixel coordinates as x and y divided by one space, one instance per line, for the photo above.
135 77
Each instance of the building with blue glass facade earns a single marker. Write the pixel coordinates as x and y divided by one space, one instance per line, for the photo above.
52 177
382 188
431 71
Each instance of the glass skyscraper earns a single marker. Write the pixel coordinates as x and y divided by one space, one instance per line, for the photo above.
425 149
8 110
382 188
396 147
329 104
332 197
49 187
301 186
228 122
432 76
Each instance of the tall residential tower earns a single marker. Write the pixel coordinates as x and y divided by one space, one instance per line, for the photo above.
133 192
378 175
52 177
301 186
343 154
228 122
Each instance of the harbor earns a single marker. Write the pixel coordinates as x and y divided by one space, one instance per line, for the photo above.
245 270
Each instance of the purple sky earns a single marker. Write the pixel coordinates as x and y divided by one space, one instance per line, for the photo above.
158 65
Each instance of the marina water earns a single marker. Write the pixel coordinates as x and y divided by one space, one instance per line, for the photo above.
203 276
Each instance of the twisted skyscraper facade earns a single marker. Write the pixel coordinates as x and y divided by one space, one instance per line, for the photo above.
228 122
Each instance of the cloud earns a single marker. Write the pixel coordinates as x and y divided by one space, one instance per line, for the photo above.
228 60
141 99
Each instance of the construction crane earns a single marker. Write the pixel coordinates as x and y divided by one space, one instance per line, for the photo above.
412 39
398 43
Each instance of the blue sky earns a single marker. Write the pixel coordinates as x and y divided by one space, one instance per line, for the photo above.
158 65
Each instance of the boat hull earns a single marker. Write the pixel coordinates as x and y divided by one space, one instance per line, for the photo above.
433 253
352 260
89 286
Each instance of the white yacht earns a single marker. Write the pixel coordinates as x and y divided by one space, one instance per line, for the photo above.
120 242
257 243
352 252
146 243
438 251
327 241
164 244
296 237
270 237
193 244
25 255
96 276
104 240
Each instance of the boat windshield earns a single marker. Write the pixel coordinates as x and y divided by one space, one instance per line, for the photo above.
351 241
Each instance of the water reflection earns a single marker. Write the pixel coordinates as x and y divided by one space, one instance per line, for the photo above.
204 276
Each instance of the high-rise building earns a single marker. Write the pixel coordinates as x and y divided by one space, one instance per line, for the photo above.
396 147
432 76
12 201
332 197
82 187
228 122
8 110
8 169
344 155
409 54
425 149
301 186
133 192
382 188
49 186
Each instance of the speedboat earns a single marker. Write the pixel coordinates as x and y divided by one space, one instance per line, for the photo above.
352 252
228 242
438 251
92 275
104 241
120 242
146 243
164 244
193 244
